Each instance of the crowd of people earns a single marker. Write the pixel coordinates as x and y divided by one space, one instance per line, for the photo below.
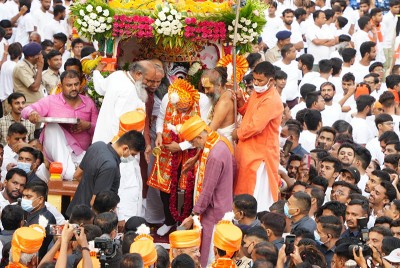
297 168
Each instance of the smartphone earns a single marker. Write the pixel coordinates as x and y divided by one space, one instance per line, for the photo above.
289 243
321 145
307 160
56 230
287 147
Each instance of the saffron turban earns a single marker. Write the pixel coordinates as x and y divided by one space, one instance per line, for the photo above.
182 94
26 240
361 90
185 239
144 246
192 128
227 237
134 120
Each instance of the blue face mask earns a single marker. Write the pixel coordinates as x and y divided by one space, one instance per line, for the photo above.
26 204
317 237
286 210
24 166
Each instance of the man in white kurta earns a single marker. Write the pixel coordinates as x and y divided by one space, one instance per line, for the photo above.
124 92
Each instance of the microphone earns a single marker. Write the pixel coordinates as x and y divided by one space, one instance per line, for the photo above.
19 201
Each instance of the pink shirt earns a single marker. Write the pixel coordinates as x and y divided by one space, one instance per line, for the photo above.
56 106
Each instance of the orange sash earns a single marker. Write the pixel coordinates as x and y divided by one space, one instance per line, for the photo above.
174 118
213 138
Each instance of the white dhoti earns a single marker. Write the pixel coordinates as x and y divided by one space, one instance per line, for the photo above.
227 132
262 191
130 190
57 149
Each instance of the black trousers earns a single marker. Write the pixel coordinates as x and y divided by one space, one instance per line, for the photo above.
169 220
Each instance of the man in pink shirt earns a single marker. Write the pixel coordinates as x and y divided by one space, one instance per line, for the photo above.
65 143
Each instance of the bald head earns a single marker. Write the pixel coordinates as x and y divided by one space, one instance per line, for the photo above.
35 37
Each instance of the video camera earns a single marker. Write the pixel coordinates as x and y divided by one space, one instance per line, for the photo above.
107 248
363 238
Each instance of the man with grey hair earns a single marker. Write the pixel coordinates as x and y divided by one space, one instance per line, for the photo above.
124 91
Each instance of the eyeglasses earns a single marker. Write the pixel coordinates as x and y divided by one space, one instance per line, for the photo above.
388 123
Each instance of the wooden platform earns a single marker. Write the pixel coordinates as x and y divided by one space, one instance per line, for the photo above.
60 193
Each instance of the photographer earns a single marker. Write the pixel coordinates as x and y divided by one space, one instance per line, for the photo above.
68 232
355 210
108 223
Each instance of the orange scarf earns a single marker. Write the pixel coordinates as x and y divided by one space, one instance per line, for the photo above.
174 118
15 265
213 138
223 263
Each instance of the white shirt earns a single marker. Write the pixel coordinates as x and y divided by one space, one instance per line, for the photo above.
9 157
53 27
205 105
307 140
375 149
349 14
319 52
117 101
6 79
298 107
291 90
26 25
331 114
337 82
362 183
41 19
296 36
308 78
361 132
270 30
318 81
359 71
388 29
3 12
358 38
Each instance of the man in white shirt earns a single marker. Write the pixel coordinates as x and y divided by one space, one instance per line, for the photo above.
389 23
384 122
361 68
57 24
332 109
313 122
296 38
289 65
42 16
349 57
325 71
388 101
16 136
60 40
306 62
271 28
304 91
318 39
363 34
6 74
26 24
336 79
361 131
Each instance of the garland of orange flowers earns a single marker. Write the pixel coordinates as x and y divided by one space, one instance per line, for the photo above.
223 262
241 65
213 138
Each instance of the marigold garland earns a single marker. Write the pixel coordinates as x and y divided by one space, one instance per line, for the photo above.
188 200
242 65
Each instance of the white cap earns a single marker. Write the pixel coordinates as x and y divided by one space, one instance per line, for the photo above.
394 256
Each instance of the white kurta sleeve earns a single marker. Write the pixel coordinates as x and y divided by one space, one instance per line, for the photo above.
161 115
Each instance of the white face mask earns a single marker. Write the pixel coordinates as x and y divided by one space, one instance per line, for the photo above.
261 89
282 141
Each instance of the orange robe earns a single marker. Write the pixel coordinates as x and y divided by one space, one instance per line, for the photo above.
258 141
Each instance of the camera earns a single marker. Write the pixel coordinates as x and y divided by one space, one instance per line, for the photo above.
363 238
107 248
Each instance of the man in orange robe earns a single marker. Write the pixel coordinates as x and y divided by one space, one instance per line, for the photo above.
257 152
